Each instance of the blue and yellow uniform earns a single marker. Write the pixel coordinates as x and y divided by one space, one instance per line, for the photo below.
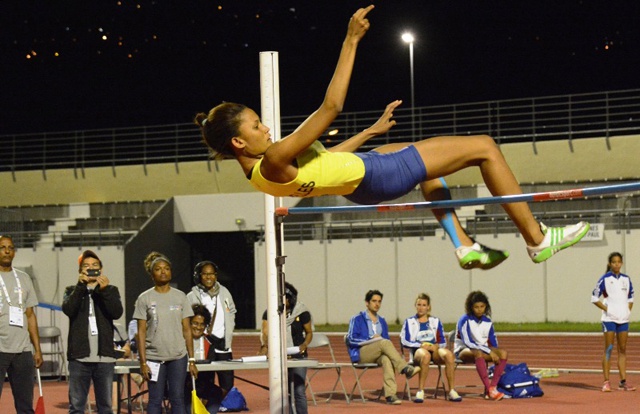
364 178
320 172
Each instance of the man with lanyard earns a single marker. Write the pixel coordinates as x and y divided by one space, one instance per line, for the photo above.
91 305
17 299
368 342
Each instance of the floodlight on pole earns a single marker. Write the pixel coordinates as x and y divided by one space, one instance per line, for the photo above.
407 37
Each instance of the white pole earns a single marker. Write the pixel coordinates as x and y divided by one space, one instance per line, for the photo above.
39 381
413 95
270 113
407 37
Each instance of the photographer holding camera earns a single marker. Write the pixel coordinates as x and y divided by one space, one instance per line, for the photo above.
91 305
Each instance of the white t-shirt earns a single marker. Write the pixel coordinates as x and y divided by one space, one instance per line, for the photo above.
214 306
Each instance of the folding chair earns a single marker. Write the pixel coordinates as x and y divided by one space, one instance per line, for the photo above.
53 336
451 339
137 394
364 368
321 340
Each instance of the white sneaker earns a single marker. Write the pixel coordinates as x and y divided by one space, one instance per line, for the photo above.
454 396
556 239
419 397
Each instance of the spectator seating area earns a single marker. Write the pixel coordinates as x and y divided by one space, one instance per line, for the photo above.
113 223
95 224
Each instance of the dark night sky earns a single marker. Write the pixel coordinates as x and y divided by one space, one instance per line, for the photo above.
161 61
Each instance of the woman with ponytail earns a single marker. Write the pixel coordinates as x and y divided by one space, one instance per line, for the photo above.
617 292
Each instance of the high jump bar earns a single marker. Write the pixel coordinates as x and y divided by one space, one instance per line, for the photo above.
516 198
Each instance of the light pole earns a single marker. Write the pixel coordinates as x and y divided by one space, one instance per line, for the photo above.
408 38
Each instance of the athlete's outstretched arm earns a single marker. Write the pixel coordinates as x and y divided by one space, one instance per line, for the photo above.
381 126
282 153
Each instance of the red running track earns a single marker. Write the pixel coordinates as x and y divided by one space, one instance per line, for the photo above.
575 390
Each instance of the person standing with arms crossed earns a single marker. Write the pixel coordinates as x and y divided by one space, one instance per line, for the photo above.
617 290
18 326
92 305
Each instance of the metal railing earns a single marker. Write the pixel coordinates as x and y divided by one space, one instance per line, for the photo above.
622 218
492 224
569 117
396 228
71 238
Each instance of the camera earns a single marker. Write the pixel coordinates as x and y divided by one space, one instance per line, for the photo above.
93 272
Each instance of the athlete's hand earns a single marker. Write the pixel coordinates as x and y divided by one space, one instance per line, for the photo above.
359 24
386 121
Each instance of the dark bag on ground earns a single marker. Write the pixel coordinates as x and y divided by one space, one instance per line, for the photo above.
517 382
234 401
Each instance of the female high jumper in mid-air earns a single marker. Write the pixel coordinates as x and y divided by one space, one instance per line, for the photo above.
299 166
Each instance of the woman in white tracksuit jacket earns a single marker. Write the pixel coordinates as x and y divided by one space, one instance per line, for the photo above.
423 335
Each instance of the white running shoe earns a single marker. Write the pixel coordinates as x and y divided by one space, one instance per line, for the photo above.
556 239
419 397
454 396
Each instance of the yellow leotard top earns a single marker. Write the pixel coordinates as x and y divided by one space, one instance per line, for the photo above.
320 172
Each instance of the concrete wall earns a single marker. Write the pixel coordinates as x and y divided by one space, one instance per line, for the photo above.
332 278
132 182
52 270
554 161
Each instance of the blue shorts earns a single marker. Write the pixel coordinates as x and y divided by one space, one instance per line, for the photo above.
388 176
615 327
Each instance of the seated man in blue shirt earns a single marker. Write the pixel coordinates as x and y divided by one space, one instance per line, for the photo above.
368 342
